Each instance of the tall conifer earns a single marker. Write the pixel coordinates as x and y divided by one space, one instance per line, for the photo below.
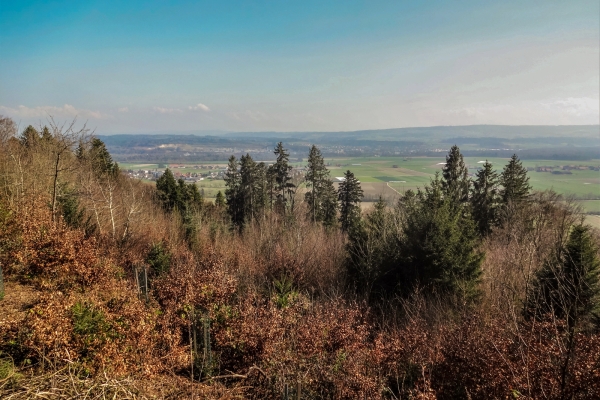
485 198
455 176
514 181
350 195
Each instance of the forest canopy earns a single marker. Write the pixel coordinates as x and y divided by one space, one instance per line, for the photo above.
473 286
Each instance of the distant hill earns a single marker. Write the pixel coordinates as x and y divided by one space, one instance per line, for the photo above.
549 142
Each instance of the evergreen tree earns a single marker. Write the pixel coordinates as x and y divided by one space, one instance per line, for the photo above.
233 192
350 196
30 137
316 175
440 244
252 186
282 171
485 198
329 204
220 200
46 134
102 161
570 288
168 191
96 153
514 181
373 251
455 176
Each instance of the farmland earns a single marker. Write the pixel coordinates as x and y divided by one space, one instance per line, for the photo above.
391 176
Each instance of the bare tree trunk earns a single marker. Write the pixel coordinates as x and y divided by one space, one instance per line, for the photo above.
54 183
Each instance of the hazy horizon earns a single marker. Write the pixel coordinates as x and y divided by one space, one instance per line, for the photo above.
140 67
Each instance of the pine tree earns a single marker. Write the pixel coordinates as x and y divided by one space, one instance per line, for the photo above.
96 153
282 171
46 134
30 137
455 176
233 182
514 181
485 198
350 195
570 287
168 191
220 200
316 174
102 161
329 204
253 187
440 244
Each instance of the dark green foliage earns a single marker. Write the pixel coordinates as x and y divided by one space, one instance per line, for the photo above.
233 193
322 198
439 246
328 209
284 290
350 196
30 137
315 175
46 134
159 258
373 251
485 199
72 212
102 162
514 181
177 195
97 155
220 200
247 193
569 287
68 203
168 191
284 187
87 320
253 194
455 176
90 326
185 198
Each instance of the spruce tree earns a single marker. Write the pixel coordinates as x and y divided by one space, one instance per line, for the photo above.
455 176
233 182
247 186
30 137
316 175
168 191
570 287
485 198
220 200
329 204
102 161
253 187
439 249
282 172
350 196
514 181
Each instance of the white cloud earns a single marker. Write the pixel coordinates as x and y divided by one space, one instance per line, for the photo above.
575 106
199 107
123 109
163 110
66 111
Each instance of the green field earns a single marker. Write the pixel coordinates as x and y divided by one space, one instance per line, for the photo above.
391 176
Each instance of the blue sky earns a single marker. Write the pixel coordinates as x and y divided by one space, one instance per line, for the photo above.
144 66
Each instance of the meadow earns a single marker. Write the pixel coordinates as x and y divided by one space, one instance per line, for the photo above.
391 176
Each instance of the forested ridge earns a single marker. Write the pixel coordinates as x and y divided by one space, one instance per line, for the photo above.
472 287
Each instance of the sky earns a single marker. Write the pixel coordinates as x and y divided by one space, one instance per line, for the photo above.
177 66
